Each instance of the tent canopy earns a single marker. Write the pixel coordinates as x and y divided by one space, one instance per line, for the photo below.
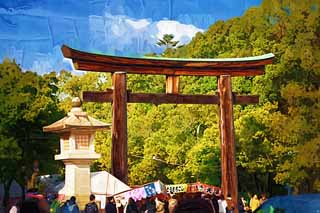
104 183
292 203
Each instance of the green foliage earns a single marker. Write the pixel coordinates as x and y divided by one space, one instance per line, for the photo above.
167 41
169 44
175 135
27 103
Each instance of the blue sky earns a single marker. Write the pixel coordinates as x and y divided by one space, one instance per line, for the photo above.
32 31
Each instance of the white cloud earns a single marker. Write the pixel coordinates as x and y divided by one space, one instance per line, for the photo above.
119 34
139 24
182 32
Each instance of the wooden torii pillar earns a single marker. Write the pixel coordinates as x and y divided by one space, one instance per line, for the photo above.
119 96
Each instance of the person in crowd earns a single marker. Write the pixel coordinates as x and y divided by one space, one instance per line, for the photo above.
243 207
207 197
193 203
111 206
91 207
172 203
230 205
222 204
151 205
166 204
215 203
16 207
143 206
70 206
254 202
160 205
119 206
131 206
263 198
64 207
34 202
243 201
55 206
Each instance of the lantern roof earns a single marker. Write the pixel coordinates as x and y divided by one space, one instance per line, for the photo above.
76 120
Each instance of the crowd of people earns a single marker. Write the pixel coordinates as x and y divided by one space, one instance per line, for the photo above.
161 203
187 202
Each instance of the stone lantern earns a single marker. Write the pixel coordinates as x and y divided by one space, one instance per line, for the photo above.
77 131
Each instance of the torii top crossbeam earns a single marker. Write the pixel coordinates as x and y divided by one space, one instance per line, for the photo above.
247 66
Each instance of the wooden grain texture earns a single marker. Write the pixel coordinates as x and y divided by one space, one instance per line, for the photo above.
119 153
229 178
193 67
172 84
167 98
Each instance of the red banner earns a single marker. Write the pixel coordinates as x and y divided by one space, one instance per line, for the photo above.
202 187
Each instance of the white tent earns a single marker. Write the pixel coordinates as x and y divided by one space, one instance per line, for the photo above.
104 184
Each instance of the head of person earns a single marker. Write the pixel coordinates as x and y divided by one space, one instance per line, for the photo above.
221 197
130 201
241 201
72 200
110 200
92 197
255 196
118 204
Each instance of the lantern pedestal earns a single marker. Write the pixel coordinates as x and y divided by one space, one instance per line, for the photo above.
77 181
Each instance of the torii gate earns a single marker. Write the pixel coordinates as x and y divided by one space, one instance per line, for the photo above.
119 96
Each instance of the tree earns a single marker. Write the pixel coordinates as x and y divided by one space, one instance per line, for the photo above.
167 41
27 103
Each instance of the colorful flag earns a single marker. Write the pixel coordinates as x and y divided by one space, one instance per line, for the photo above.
150 190
160 187
176 188
136 194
